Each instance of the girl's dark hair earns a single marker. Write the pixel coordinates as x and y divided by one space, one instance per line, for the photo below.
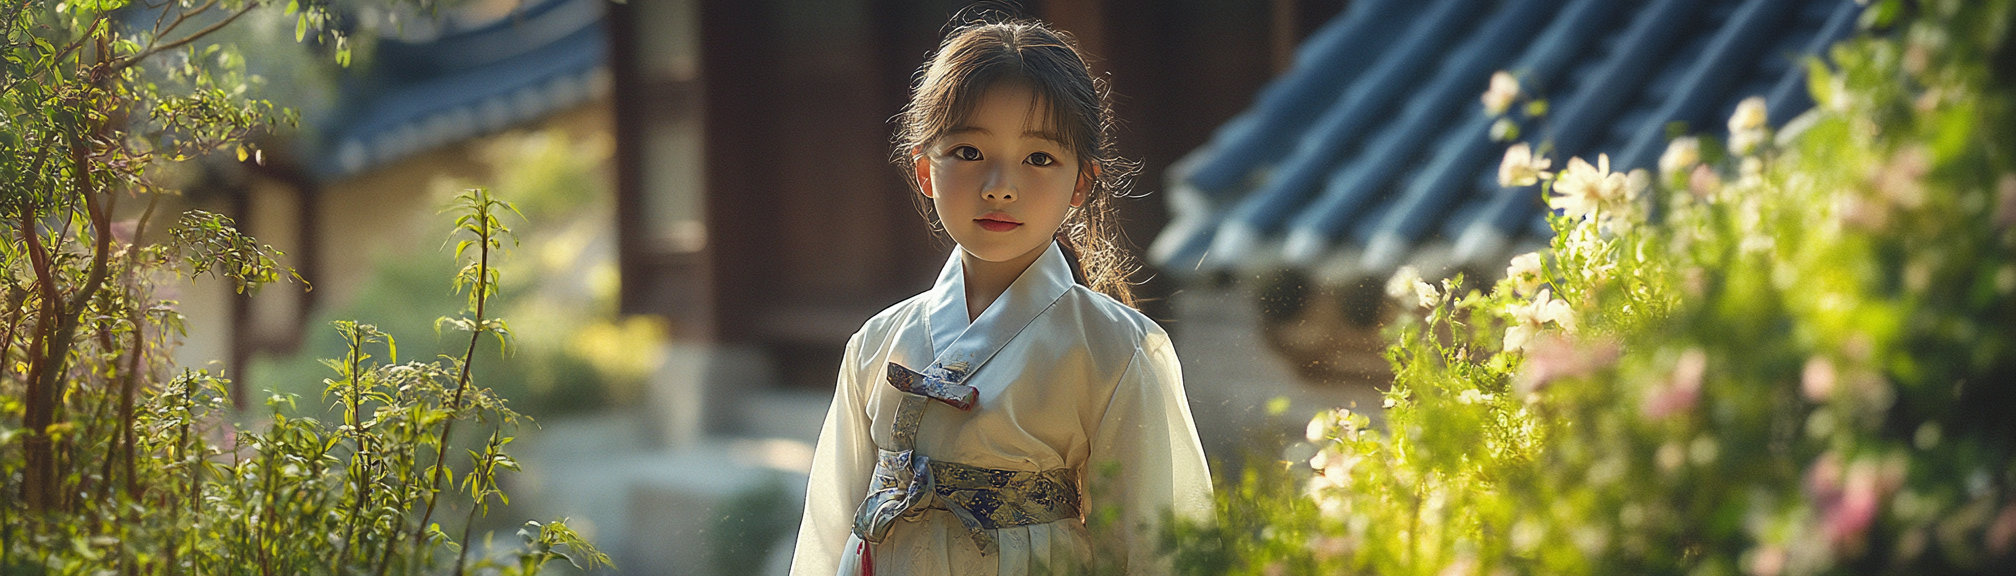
979 54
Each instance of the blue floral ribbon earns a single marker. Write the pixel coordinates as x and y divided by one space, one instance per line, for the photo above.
937 383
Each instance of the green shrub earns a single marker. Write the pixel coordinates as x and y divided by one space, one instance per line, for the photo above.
1804 364
109 463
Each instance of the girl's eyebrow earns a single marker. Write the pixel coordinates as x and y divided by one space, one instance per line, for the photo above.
1051 135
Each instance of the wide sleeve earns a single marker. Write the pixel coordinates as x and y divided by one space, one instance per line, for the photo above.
841 466
1146 458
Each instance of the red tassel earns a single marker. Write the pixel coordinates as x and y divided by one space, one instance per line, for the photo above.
867 559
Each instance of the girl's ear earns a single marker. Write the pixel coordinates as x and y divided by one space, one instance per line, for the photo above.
1084 187
923 168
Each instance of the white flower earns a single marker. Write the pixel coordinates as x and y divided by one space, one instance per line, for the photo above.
1526 273
1472 396
1750 115
1406 281
1681 154
1504 89
1333 469
1520 168
1583 189
1635 182
1530 317
1426 294
1750 174
1746 141
1330 422
1615 214
1746 126
1402 283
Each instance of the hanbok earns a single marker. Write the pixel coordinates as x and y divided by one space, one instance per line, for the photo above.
1072 403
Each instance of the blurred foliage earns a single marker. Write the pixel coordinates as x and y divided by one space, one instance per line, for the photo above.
109 462
572 352
750 524
1784 353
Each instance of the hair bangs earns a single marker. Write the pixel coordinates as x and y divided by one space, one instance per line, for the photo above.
1055 113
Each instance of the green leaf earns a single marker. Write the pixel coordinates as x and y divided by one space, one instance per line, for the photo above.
1536 108
1820 82
301 27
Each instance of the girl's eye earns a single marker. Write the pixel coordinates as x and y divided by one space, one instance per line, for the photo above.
966 153
1042 159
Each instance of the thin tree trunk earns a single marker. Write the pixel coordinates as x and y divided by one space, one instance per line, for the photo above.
46 392
38 458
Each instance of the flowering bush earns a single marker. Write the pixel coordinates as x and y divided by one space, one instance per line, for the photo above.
1787 353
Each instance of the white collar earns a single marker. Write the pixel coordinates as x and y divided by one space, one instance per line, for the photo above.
954 341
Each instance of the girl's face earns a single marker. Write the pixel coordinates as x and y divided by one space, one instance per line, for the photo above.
1001 182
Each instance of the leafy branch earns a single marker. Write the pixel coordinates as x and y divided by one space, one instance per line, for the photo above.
479 219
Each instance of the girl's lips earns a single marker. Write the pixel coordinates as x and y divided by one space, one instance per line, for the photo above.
992 225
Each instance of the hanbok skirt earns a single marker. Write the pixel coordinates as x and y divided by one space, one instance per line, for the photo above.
934 543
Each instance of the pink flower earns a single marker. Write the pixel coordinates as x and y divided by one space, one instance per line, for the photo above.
1768 560
1847 518
1817 382
1327 547
1865 214
1694 280
1703 181
1682 390
1552 358
1902 179
1823 478
1465 565
1848 501
2001 537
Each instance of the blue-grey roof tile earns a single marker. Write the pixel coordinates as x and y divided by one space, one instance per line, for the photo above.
416 96
1376 143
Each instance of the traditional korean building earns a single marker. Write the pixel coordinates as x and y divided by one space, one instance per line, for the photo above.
1374 150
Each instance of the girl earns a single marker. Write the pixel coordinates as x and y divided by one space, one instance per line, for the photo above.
976 425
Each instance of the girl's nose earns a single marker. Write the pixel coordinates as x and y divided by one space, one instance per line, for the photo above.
999 188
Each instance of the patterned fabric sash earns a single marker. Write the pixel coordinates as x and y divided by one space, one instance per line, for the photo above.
906 483
1003 498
